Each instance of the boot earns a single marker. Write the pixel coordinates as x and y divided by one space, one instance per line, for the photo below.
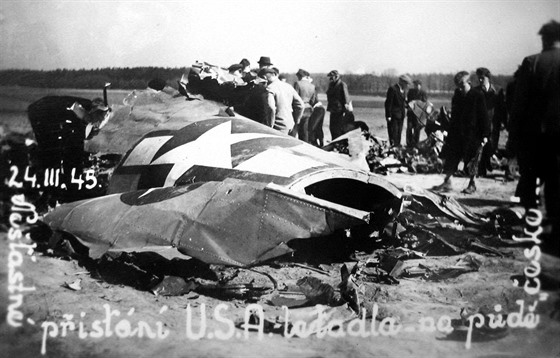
470 189
445 186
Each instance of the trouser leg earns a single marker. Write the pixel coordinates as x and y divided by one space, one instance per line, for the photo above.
398 131
303 129
336 125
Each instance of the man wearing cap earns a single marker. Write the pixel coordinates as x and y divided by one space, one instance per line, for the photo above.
306 90
395 109
264 62
338 103
286 104
495 102
245 66
468 132
413 127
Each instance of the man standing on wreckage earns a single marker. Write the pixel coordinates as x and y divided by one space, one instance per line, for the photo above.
534 133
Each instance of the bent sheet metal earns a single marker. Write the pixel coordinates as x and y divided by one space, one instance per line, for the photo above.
223 189
230 222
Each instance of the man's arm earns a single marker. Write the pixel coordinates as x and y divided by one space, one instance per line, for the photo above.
345 95
482 116
297 88
314 98
389 103
272 109
519 107
297 107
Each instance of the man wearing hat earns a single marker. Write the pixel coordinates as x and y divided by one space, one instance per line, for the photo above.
413 126
286 104
468 132
264 62
338 103
308 94
395 109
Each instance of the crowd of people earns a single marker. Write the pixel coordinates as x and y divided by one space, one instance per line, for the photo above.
529 107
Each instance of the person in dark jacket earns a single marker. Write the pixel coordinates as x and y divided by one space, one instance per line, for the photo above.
395 110
468 132
534 128
413 127
495 105
253 100
338 103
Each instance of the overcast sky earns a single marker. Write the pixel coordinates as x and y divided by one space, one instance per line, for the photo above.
351 36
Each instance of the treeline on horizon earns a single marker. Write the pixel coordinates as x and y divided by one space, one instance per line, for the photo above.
138 78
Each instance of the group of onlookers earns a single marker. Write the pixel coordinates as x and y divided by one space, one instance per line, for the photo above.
533 104
529 107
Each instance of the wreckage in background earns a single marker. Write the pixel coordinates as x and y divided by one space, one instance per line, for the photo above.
222 189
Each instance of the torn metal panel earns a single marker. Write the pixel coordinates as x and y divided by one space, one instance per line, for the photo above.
143 112
223 189
217 148
231 222
442 205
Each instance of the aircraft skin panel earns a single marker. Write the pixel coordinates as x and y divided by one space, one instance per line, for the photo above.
233 222
285 164
144 112
219 143
225 190
145 150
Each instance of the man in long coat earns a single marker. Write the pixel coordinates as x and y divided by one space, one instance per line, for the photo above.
468 132
534 128
338 103
395 109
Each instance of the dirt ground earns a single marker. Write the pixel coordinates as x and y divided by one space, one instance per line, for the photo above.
412 304
414 318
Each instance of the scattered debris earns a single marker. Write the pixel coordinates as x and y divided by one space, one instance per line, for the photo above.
75 286
173 286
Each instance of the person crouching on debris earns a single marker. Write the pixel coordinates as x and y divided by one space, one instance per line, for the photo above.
95 118
468 133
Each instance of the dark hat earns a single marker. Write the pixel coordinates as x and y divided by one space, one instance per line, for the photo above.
264 61
264 71
483 71
406 79
302 73
235 67
417 82
244 62
332 73
550 31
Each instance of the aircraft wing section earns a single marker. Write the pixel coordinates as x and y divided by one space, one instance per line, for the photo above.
145 111
233 222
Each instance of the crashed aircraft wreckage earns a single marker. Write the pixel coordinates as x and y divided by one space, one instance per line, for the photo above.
222 189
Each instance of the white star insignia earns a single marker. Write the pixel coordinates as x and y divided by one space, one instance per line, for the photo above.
213 149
